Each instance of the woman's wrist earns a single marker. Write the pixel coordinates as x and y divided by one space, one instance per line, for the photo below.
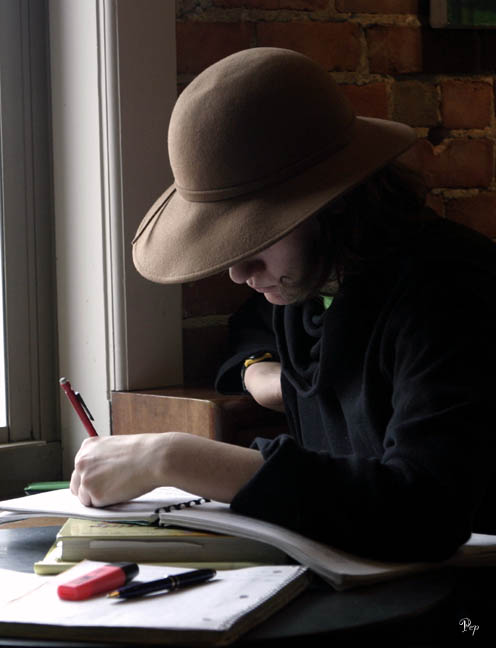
163 461
256 358
259 373
263 382
208 468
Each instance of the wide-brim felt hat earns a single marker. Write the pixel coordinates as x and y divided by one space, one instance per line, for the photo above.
258 142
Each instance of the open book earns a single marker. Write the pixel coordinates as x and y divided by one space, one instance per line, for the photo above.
170 506
215 613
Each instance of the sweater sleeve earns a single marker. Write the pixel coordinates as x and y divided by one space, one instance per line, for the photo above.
418 497
250 333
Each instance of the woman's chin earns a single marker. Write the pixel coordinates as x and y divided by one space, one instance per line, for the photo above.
276 298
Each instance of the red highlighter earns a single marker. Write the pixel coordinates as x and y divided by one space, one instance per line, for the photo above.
100 580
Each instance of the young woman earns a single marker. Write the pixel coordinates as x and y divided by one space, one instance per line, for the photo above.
372 323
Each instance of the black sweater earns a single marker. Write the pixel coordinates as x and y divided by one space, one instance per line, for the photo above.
390 397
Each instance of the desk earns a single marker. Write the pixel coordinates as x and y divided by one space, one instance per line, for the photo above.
418 611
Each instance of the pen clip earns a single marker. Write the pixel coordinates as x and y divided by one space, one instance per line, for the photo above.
83 405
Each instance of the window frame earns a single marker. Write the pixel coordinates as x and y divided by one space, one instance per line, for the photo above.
101 82
29 446
110 164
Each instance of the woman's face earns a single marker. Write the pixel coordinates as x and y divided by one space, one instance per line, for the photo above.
280 268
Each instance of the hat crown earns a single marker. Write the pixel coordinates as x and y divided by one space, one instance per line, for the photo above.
253 119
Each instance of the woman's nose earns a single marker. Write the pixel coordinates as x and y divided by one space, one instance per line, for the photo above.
242 271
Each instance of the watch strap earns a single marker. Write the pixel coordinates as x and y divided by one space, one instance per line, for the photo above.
253 359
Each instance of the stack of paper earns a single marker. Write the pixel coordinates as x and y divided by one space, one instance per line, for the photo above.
167 505
214 613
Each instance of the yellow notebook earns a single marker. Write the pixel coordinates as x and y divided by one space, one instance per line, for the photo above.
52 564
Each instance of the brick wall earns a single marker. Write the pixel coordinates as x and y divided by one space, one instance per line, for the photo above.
391 64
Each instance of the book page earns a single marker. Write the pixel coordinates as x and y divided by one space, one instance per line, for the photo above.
63 503
341 569
16 584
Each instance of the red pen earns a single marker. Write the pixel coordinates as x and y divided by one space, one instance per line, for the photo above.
98 581
79 405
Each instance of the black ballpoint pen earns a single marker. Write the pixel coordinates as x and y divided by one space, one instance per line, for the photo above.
185 579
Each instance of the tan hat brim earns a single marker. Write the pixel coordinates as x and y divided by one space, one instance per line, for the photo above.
181 241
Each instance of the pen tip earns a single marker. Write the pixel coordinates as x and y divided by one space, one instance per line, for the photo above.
62 381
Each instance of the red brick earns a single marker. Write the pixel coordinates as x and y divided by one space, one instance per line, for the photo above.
200 44
369 100
336 46
415 103
459 163
466 104
310 5
394 50
478 212
378 6
213 296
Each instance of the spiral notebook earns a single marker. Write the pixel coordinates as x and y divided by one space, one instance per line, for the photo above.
215 613
62 503
170 506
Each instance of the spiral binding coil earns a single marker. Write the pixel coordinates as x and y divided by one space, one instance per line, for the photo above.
182 505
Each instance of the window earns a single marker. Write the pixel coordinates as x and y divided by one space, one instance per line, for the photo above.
113 83
3 348
29 358
86 90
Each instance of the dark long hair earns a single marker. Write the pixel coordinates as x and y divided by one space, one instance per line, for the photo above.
369 222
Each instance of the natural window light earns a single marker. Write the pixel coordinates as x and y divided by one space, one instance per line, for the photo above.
29 438
85 99
3 400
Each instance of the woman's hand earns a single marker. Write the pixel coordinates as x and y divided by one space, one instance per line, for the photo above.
263 381
117 468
